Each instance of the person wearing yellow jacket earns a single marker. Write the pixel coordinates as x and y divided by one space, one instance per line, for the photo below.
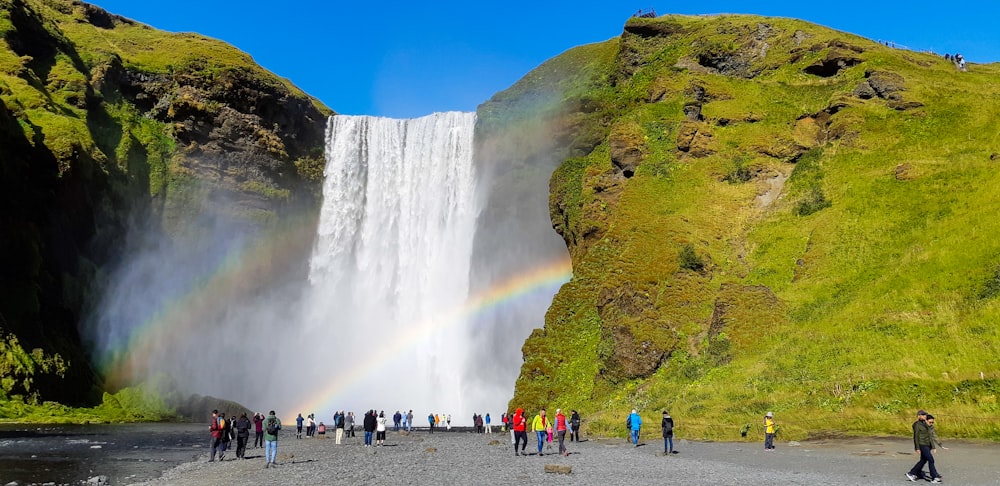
769 429
540 425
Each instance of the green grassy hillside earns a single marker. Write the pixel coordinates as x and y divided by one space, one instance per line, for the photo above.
780 217
108 125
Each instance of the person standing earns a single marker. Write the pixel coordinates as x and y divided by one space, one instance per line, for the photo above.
634 423
272 425
561 431
242 435
298 426
769 430
349 424
216 429
430 420
409 421
369 425
667 424
380 428
540 425
258 424
488 429
311 425
339 423
574 422
518 424
448 421
396 419
923 444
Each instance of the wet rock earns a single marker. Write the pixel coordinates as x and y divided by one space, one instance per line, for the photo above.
558 469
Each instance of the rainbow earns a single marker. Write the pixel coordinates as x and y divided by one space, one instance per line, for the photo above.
123 361
506 292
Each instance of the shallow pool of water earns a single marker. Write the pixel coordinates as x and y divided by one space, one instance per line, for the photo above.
124 453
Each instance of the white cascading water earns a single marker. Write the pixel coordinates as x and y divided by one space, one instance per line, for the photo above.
390 269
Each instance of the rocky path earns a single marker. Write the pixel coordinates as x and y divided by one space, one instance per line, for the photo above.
463 458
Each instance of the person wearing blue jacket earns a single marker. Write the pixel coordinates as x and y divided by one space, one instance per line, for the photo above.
635 423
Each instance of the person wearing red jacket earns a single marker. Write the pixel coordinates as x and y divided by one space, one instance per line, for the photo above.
518 425
561 431
216 429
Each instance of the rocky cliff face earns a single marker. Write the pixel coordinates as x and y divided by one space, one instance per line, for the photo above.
751 230
107 125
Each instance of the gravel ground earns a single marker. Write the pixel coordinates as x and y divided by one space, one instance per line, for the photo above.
464 458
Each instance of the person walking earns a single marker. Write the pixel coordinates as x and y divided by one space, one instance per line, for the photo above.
272 425
488 429
667 424
242 435
924 445
339 424
634 423
769 429
215 428
380 428
540 425
298 426
561 431
574 422
227 434
518 424
258 427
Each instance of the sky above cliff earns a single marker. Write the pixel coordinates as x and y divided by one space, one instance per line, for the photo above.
408 59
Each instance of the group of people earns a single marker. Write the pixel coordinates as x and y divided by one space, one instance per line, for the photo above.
925 443
546 430
224 431
957 59
310 425
482 424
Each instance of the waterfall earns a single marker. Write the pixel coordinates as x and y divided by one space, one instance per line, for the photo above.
390 270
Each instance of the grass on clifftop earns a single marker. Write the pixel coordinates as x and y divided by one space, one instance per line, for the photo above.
858 296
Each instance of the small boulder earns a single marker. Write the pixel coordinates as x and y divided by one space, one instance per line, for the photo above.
431 449
793 443
558 469
494 442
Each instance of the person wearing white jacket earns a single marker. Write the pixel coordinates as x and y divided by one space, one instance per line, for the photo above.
380 429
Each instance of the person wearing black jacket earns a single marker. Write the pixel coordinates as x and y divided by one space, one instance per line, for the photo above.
242 435
667 424
339 423
574 422
370 423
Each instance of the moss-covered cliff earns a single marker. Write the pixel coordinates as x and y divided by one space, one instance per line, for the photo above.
106 123
772 216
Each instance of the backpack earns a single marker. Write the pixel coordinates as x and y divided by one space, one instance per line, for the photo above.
628 422
668 426
272 426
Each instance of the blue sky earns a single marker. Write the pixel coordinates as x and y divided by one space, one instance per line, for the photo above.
408 59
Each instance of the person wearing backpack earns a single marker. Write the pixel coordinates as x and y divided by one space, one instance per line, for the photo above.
271 427
216 429
667 424
242 435
227 431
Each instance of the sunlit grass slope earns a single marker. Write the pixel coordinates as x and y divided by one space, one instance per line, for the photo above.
842 299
